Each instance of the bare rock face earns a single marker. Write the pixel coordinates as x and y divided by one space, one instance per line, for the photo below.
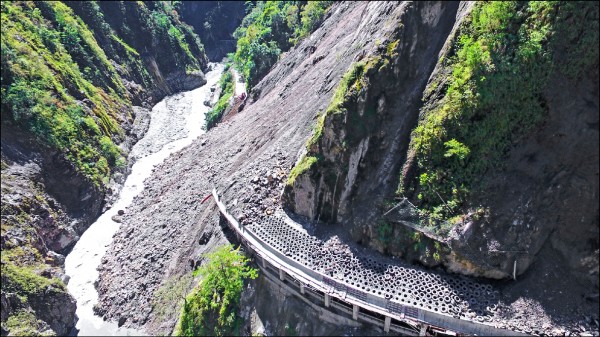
37 229
186 81
362 147
57 308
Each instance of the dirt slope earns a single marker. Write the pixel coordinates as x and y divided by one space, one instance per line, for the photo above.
166 230
160 232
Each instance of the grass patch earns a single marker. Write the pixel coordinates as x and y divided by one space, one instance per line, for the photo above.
317 132
350 79
23 323
303 166
24 281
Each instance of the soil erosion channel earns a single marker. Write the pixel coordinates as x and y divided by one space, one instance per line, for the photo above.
175 122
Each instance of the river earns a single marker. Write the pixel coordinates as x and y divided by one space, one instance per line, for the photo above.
175 122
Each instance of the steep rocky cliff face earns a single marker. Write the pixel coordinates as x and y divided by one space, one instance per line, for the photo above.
353 157
71 74
214 22
514 165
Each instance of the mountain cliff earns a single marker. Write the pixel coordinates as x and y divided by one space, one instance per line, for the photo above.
72 73
491 166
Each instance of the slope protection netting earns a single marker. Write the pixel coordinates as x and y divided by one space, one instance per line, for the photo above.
398 283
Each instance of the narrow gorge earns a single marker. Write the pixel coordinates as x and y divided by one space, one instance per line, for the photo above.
380 168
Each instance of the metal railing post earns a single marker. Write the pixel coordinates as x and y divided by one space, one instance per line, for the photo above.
281 274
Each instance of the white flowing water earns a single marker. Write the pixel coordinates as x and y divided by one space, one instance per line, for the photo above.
175 122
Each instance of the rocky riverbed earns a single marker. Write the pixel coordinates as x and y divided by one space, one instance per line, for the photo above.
175 122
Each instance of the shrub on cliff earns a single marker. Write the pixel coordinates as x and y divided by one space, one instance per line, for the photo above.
211 308
498 70
270 28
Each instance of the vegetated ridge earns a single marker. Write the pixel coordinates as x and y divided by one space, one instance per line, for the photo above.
75 75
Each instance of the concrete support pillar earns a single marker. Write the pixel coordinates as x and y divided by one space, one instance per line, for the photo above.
281 274
264 261
387 323
302 288
423 331
355 312
327 300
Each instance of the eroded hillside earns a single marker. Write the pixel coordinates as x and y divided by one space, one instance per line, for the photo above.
72 73
167 229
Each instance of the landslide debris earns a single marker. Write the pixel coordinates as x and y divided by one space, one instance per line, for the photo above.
160 233
166 230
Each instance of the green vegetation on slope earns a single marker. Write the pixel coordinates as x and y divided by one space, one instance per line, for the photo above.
270 28
501 64
50 61
59 84
20 269
24 281
155 28
23 323
24 268
304 165
227 87
212 307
